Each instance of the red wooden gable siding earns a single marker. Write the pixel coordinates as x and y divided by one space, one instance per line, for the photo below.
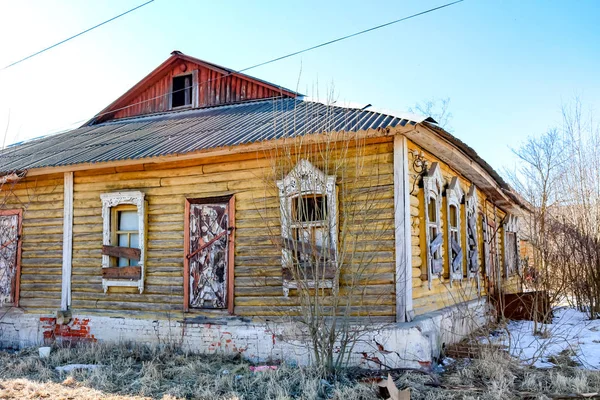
216 86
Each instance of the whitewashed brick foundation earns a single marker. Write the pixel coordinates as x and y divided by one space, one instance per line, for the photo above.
412 343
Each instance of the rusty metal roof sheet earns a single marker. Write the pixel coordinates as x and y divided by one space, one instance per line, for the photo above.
192 130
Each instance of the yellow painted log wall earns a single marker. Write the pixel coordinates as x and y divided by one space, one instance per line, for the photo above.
441 294
41 199
258 275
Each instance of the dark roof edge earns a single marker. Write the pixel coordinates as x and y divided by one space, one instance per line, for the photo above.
472 154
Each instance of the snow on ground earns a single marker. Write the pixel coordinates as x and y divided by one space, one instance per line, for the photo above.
570 330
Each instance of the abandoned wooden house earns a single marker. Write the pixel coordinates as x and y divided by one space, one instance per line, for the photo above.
181 212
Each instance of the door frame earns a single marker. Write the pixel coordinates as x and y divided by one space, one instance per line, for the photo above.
17 284
230 201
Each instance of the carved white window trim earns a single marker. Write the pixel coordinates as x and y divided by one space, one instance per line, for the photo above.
110 200
511 225
304 180
454 197
433 182
471 210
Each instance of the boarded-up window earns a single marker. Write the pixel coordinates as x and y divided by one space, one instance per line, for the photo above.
9 256
125 224
432 188
454 196
123 239
209 269
511 245
308 227
472 244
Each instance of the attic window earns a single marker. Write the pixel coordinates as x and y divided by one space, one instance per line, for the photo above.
181 94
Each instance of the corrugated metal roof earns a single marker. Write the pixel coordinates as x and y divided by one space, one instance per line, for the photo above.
192 130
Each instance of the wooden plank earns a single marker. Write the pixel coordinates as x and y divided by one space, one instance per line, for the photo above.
122 273
437 265
300 247
311 272
436 243
67 245
122 252
455 246
231 256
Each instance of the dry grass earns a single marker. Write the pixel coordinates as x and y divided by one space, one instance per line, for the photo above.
167 373
139 372
495 375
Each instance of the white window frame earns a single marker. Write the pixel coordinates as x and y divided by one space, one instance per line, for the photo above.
511 225
433 183
110 200
454 197
472 209
305 180
195 91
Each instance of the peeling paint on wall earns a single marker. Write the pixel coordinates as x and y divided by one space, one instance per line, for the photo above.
76 331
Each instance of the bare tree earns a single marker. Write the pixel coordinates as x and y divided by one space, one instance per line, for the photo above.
437 109
559 176
332 231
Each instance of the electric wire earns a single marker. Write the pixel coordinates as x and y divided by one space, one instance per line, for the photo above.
283 57
76 35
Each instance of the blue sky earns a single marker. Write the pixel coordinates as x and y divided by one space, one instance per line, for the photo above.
507 66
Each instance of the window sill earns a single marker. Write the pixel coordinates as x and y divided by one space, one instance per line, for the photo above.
323 284
139 283
182 107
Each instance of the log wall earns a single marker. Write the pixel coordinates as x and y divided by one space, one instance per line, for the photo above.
41 199
258 272
441 293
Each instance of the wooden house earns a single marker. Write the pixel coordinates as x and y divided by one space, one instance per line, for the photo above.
172 214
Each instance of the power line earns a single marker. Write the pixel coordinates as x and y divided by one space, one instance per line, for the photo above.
286 56
79 34
352 35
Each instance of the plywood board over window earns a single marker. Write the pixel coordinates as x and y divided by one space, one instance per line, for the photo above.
10 256
209 251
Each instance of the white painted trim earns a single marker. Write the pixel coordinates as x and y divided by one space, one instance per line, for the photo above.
110 200
67 247
454 197
433 184
305 179
402 222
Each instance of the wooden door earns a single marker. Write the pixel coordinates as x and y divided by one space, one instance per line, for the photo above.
10 256
208 275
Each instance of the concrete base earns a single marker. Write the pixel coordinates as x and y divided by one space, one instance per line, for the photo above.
413 344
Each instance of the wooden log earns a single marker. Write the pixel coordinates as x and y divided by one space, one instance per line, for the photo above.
122 252
122 273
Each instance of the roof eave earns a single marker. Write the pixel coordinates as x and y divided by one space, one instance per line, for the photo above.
466 160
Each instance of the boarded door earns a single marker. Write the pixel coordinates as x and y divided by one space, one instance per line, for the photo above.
209 254
10 249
